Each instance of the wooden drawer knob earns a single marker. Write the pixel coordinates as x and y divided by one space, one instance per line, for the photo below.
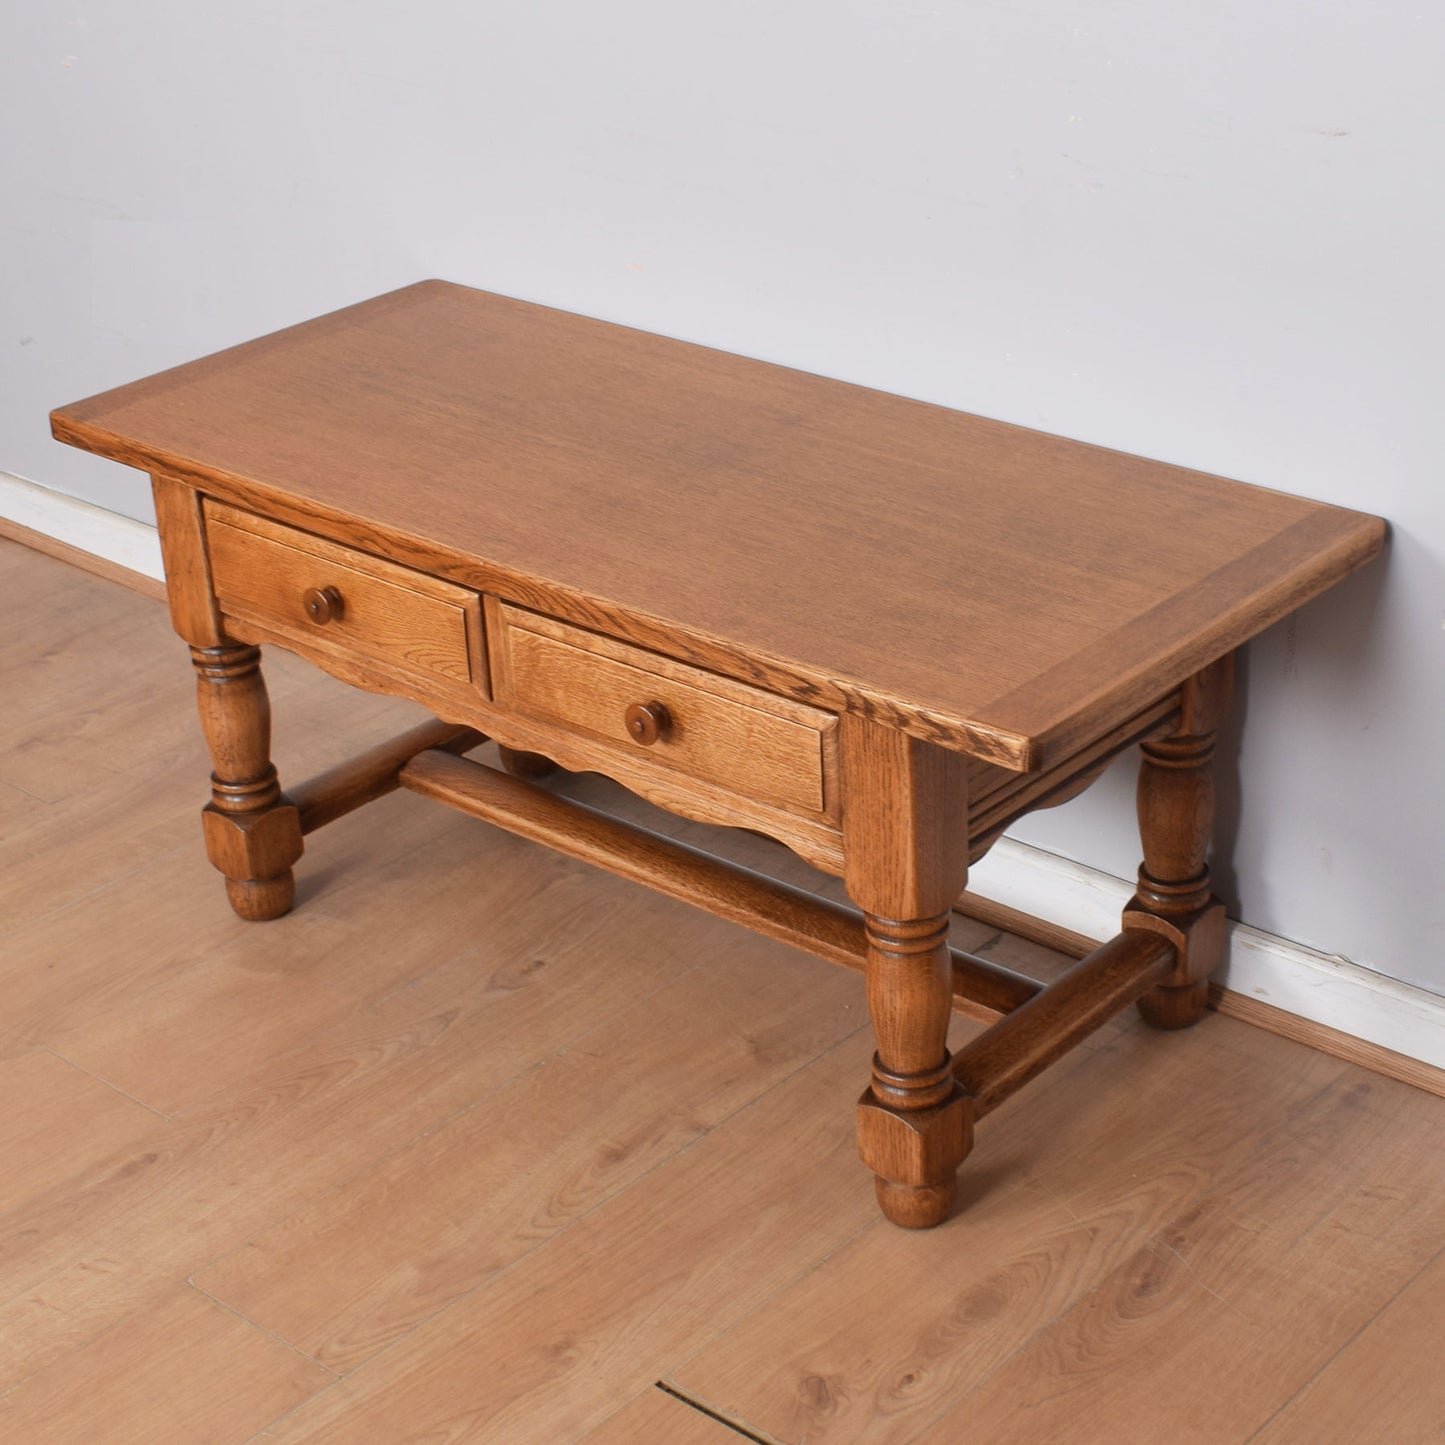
322 604
646 722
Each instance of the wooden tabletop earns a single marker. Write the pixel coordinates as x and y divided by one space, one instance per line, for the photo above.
998 588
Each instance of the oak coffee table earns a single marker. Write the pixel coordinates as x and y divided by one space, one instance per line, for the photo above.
875 630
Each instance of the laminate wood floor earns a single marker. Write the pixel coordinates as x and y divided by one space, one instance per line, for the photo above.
482 1145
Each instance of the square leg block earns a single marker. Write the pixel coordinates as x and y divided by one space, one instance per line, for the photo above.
1198 936
921 1147
255 845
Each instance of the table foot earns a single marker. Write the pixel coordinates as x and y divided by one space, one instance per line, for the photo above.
914 1152
1175 1008
915 1206
259 900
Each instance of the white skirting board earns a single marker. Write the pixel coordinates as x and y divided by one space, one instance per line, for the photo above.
1319 987
92 529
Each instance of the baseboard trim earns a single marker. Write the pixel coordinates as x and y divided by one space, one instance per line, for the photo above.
102 542
1324 1001
86 561
1288 988
1327 1040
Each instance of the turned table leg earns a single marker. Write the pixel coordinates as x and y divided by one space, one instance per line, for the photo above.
913 1122
905 862
1176 820
253 834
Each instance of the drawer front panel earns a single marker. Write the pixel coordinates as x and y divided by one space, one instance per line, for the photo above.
263 572
736 737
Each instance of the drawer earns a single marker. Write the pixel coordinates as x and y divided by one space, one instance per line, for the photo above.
265 572
751 743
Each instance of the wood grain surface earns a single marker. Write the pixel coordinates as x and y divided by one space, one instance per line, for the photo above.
262 572
342 1281
1006 591
1385 1384
186 1370
766 748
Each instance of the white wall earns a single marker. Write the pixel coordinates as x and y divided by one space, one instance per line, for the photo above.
1210 234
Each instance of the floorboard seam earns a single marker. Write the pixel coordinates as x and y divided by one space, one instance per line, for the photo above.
261 1329
100 1079
1309 1384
